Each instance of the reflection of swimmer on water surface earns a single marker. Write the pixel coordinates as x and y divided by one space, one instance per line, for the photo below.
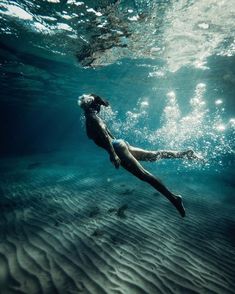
122 153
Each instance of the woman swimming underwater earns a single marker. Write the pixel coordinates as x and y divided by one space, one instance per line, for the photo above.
121 153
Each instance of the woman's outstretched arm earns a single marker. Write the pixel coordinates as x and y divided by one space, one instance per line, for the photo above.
97 131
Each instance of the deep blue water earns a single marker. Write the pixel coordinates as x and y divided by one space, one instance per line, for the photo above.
168 72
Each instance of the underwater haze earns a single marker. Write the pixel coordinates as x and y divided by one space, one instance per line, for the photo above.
69 221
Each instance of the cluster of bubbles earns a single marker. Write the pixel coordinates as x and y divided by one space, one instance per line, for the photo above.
134 123
202 129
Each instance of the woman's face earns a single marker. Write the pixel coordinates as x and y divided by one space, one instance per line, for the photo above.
85 101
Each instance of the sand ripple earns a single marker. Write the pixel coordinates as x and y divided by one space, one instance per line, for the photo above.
61 234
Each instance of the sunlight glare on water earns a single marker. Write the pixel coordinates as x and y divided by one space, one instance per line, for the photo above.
180 32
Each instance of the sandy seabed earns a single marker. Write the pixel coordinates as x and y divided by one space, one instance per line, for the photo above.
69 227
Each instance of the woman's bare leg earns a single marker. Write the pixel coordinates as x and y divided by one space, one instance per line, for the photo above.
129 162
146 155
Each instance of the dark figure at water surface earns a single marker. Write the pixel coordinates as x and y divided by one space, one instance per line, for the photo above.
122 153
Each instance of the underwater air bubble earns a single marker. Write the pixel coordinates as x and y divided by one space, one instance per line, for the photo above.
218 102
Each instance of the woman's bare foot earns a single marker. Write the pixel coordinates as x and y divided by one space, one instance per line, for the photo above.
178 203
190 154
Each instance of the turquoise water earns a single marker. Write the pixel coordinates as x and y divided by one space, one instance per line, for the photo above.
167 69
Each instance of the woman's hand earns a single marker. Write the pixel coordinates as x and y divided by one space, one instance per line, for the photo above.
115 160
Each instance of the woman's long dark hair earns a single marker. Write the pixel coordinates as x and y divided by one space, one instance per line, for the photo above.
98 101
